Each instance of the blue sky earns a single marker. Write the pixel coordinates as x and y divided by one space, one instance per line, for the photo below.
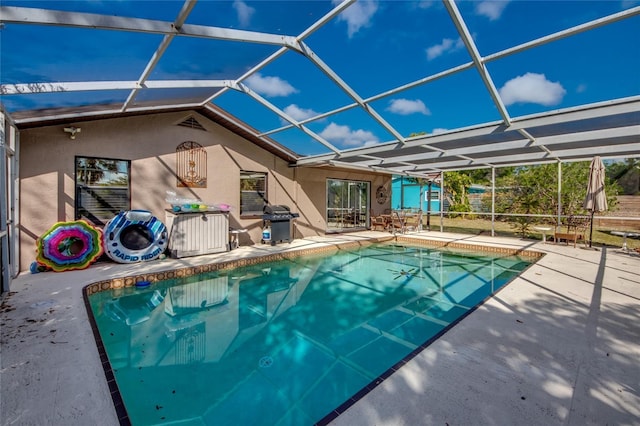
374 46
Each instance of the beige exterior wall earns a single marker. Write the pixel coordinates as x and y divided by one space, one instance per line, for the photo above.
47 185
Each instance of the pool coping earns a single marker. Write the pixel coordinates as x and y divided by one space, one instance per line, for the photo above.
131 281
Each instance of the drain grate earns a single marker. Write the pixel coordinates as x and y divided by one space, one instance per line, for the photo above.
265 362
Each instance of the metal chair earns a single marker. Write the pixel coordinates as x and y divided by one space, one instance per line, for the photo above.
397 223
413 222
576 228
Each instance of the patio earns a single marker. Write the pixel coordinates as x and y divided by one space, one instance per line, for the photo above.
558 345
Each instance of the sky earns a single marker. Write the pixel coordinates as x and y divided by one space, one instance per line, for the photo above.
373 47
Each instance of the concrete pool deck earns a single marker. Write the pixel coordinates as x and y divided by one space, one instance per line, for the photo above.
559 345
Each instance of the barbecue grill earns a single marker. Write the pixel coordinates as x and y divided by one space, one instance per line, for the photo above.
279 218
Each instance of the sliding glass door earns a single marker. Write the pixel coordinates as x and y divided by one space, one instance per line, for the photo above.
347 205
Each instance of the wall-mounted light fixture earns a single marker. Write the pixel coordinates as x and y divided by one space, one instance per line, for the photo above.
72 131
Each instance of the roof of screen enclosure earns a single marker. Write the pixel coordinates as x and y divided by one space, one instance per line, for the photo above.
343 81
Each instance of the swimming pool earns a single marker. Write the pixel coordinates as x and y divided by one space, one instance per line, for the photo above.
285 342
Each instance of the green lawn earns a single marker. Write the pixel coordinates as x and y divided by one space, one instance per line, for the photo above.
483 226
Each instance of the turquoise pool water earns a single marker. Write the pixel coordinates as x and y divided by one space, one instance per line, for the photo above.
287 342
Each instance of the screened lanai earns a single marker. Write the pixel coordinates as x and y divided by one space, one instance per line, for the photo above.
369 88
410 88
401 87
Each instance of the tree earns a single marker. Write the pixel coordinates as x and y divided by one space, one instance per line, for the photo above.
91 171
528 190
626 174
534 190
456 188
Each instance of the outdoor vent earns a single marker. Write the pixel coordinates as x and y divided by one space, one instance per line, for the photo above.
192 123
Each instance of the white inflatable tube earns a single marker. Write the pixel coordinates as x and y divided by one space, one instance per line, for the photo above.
134 236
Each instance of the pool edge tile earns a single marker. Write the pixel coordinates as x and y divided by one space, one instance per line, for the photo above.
130 281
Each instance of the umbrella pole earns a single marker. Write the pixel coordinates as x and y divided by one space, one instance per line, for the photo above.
591 230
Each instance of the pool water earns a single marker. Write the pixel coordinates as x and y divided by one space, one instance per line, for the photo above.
287 342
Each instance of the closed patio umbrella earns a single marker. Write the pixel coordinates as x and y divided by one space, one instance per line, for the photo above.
596 199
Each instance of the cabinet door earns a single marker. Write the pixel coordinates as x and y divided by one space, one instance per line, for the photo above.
199 233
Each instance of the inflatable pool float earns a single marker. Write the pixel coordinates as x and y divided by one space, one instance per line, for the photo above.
134 236
69 245
143 284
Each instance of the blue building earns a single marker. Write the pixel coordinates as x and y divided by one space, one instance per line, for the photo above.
407 194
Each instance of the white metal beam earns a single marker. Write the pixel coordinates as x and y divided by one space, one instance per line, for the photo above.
25 15
71 115
497 55
349 91
580 138
583 112
32 88
565 33
460 24
382 95
289 44
249 130
572 144
610 150
187 7
245 89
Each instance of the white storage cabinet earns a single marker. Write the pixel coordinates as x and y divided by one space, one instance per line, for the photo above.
195 233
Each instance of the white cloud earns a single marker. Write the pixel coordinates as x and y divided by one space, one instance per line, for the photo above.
491 9
446 45
581 88
408 106
244 12
343 135
270 86
299 114
532 88
358 15
425 4
439 130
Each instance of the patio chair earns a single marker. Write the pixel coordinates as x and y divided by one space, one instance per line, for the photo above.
378 222
413 222
574 230
397 223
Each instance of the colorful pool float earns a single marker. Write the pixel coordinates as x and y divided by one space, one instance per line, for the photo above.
69 245
134 236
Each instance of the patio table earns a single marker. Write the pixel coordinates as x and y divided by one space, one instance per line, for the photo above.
544 230
624 235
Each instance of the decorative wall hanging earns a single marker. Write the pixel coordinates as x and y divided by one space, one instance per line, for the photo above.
191 165
382 195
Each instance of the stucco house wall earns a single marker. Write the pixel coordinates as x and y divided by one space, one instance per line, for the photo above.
47 183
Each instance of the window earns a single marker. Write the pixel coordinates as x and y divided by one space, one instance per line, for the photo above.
253 195
435 195
102 188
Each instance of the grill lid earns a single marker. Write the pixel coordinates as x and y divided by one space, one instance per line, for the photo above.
269 209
